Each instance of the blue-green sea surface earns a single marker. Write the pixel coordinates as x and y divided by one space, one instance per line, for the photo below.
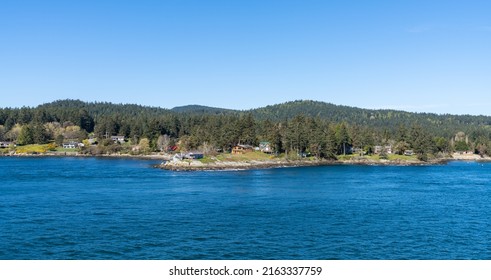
91 208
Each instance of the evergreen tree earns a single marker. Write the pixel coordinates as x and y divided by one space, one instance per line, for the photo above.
331 143
9 124
401 135
482 146
59 139
461 146
24 116
39 133
442 145
342 138
316 138
273 135
26 136
86 122
322 129
247 130
296 135
420 141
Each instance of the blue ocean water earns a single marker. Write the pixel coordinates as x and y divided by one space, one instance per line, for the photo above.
92 208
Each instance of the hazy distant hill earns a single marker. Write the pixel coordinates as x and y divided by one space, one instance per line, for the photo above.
311 108
60 110
279 112
390 119
333 112
445 124
96 109
199 109
339 113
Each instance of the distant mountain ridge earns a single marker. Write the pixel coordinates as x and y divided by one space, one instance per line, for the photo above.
278 113
200 109
342 113
387 119
104 118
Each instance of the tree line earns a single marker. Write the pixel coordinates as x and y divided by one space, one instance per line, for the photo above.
295 128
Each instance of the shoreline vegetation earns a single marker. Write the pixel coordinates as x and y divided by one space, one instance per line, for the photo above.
297 133
259 160
281 162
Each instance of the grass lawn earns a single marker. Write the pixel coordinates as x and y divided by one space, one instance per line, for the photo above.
402 157
206 160
33 149
65 150
346 157
255 155
377 157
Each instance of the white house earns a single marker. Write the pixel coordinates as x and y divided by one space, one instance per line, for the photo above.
379 149
72 145
117 138
6 144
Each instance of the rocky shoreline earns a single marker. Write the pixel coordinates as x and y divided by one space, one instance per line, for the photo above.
195 165
76 154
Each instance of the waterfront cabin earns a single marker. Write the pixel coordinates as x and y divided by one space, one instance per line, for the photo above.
265 147
242 149
388 149
408 152
194 155
92 141
379 149
117 139
172 148
6 144
71 145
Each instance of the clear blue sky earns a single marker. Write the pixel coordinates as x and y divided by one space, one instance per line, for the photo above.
412 55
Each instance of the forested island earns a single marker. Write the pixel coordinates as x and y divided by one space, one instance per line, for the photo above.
307 131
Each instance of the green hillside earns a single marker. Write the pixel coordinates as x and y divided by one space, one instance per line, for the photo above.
303 126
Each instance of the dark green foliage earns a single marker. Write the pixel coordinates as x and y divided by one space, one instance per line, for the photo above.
26 136
9 123
461 146
342 138
273 136
383 154
86 122
33 133
421 142
247 130
39 133
24 115
330 145
295 137
401 135
59 140
320 129
482 145
198 109
442 145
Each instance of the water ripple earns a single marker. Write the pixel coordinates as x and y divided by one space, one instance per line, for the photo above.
91 208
